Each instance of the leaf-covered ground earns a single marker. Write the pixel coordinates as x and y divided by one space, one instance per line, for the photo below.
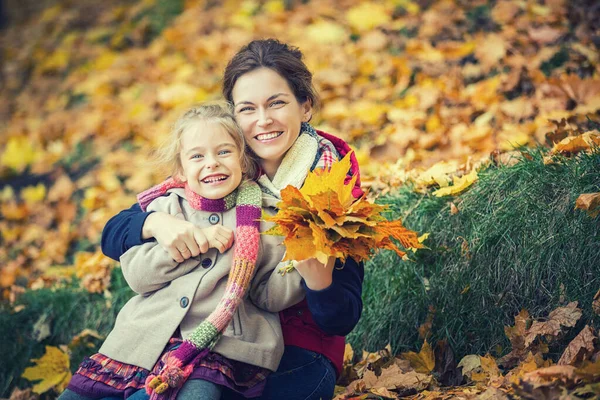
425 91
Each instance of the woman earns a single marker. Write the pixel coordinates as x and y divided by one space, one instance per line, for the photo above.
272 92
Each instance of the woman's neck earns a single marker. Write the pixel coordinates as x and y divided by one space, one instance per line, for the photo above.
270 168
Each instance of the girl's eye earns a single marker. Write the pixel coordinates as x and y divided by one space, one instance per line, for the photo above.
196 156
224 152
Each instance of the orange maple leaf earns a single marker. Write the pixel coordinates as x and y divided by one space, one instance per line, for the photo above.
323 219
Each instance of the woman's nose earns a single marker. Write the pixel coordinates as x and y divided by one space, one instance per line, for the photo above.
264 119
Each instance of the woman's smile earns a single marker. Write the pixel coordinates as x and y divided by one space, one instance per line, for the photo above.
268 136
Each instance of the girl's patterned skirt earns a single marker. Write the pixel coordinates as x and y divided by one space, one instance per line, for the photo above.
99 376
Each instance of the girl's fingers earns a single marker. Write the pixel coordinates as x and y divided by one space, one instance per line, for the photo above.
201 240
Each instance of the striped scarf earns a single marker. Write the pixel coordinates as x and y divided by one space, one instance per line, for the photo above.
247 201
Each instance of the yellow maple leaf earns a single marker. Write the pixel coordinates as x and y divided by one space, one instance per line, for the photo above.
575 144
33 194
367 16
422 362
52 369
326 32
460 184
19 153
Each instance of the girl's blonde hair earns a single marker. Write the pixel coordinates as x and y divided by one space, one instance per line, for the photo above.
221 112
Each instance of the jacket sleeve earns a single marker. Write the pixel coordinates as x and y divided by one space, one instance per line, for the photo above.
123 231
270 290
148 267
337 309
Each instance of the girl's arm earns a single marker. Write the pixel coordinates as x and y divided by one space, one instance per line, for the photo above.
149 267
133 227
337 308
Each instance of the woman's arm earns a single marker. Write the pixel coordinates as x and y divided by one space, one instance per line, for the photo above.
123 231
337 308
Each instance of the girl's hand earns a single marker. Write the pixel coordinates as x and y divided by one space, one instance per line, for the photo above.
219 237
180 238
316 275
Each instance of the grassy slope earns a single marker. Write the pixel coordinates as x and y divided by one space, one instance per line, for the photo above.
524 240
516 239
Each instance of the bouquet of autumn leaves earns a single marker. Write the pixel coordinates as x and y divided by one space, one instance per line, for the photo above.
323 219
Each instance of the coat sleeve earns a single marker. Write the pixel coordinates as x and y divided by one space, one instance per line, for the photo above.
148 267
123 231
337 309
270 290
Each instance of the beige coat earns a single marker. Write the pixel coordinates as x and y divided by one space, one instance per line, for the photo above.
172 295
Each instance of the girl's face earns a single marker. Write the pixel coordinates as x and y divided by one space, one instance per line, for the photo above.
269 114
210 160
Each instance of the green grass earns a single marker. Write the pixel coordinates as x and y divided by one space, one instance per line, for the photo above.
524 240
68 311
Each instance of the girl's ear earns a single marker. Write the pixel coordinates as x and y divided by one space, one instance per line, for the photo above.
179 175
306 108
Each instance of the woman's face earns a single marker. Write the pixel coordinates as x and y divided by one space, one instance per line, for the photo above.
269 114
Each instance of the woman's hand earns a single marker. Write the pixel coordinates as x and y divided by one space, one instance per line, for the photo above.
180 238
219 237
316 275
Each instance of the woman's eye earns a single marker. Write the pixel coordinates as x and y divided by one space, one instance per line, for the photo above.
277 103
243 109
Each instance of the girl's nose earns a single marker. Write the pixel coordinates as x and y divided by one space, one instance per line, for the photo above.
212 162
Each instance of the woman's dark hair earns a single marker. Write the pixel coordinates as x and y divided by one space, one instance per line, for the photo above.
270 53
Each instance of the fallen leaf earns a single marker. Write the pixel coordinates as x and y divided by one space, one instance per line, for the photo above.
575 144
348 354
25 394
41 329
460 184
381 391
367 16
563 316
596 303
422 362
392 377
18 153
33 194
52 369
453 209
580 347
62 189
589 202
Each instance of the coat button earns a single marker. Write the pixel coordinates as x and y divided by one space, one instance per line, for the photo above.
299 313
184 302
213 219
206 263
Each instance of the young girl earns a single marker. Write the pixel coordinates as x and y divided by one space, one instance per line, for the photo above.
222 304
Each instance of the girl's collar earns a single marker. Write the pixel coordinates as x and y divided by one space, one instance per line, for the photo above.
217 205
